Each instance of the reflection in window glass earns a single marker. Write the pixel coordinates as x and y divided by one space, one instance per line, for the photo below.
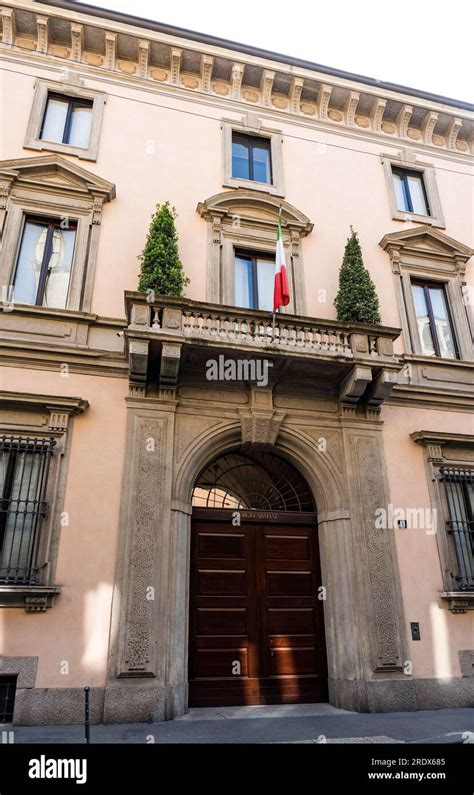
400 192
28 268
54 120
67 120
240 160
423 321
251 158
417 194
265 283
261 163
80 126
410 191
433 321
44 264
442 323
254 278
242 282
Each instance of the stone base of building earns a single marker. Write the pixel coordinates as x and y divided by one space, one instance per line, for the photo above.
50 706
131 702
397 695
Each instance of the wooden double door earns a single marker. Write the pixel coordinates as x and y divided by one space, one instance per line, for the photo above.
256 622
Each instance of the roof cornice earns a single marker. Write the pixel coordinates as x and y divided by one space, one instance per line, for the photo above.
166 59
257 52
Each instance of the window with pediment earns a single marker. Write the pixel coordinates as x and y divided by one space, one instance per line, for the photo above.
50 216
434 299
242 231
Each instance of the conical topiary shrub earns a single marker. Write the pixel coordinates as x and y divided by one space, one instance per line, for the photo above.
161 268
356 300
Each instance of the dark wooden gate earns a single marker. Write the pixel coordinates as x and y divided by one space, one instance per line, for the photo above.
256 622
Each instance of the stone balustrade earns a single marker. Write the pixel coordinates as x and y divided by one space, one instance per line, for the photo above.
193 322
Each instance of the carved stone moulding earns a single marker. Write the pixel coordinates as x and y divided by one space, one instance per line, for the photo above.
307 95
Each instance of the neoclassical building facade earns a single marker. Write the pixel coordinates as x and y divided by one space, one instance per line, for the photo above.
200 506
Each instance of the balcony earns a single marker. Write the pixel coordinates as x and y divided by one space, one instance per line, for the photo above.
348 362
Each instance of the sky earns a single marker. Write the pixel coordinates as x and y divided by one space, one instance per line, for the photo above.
415 43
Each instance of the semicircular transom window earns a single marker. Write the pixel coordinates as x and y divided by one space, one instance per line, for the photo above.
252 480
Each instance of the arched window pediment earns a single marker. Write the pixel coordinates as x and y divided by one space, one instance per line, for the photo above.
254 207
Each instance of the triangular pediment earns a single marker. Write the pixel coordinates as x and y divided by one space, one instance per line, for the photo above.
426 240
54 172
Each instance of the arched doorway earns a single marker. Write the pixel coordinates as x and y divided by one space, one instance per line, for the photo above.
256 617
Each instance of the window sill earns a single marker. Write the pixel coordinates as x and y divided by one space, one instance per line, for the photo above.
265 187
459 601
404 215
66 149
422 359
33 598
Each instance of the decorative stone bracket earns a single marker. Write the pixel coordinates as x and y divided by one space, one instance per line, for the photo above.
361 381
355 384
138 363
169 369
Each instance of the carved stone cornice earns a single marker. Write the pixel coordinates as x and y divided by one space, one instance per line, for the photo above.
223 205
59 408
434 441
387 113
42 171
428 243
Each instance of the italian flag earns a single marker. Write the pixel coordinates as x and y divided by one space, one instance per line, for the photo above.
281 291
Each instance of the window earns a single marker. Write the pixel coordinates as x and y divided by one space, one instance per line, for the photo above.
24 466
7 698
433 320
251 158
459 486
254 276
410 191
449 461
44 263
67 120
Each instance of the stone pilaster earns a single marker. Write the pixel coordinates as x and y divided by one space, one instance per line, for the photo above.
138 659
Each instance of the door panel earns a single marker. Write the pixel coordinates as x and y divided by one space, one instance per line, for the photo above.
292 654
222 616
256 624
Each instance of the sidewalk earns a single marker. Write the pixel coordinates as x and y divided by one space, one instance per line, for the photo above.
303 723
